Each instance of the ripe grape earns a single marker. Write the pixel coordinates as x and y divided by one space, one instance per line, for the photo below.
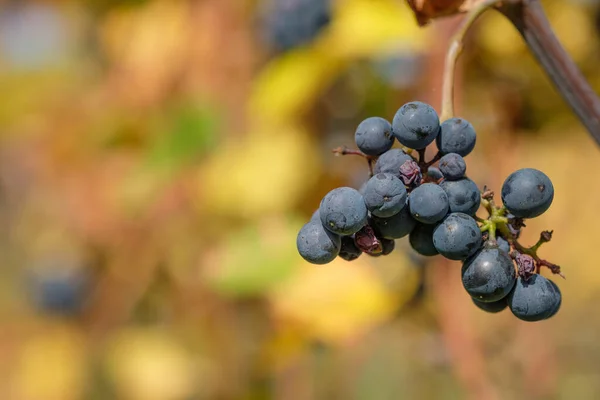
394 227
491 307
527 193
348 249
457 237
453 166
374 136
463 195
343 211
421 240
416 125
489 275
316 244
534 299
428 203
387 245
385 195
391 161
434 173
457 135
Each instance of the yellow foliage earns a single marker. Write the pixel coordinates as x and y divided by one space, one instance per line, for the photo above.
51 366
264 173
333 302
147 365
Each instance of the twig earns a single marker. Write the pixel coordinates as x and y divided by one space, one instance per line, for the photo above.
530 20
454 51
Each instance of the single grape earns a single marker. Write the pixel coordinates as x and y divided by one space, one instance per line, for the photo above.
391 161
416 125
388 245
493 307
348 249
463 195
374 136
503 244
457 135
316 244
421 240
435 174
457 237
534 299
489 275
343 211
453 166
385 195
394 227
428 203
316 216
527 193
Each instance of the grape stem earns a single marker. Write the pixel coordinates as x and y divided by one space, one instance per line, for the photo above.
344 151
497 221
454 50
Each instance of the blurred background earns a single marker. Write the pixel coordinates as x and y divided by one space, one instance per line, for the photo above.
158 157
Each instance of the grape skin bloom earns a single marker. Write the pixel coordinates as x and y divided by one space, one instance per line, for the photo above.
385 195
457 135
391 161
457 237
534 299
416 125
453 166
527 193
463 195
374 136
316 244
428 203
343 211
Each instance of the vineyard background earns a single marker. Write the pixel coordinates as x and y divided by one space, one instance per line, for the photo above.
157 159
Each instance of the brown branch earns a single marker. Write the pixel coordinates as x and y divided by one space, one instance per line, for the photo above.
530 20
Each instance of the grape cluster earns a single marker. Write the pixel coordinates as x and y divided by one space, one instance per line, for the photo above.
291 23
436 208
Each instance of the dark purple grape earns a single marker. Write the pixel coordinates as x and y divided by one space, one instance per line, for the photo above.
534 299
394 227
493 307
391 161
457 135
421 240
489 275
463 195
385 195
348 250
527 193
457 237
416 125
374 136
453 166
428 203
343 211
316 244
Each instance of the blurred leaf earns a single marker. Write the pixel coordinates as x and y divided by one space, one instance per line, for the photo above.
333 302
266 173
189 133
150 365
255 259
51 366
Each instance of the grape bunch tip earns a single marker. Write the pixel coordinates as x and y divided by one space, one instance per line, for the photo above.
436 206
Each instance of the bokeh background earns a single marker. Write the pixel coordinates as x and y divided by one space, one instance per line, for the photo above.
157 158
